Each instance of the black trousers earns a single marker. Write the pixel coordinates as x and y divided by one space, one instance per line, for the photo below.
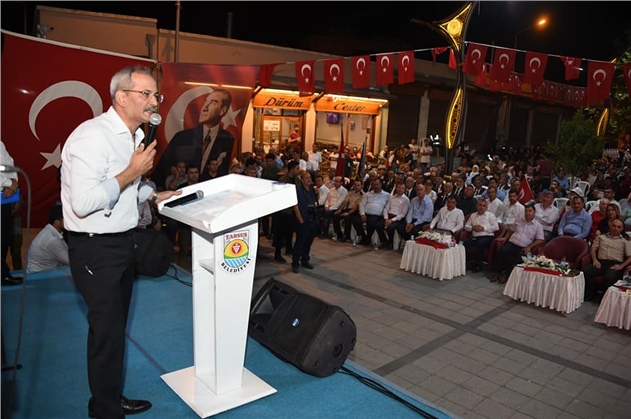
305 233
610 277
507 257
481 244
399 226
352 220
375 223
102 268
6 236
283 231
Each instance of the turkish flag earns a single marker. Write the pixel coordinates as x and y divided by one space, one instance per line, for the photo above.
438 50
524 191
475 58
482 79
334 75
385 69
535 67
599 79
514 84
583 100
503 64
494 84
543 90
552 93
265 74
47 93
406 67
626 69
305 77
535 91
361 71
453 62
572 67
568 94
576 97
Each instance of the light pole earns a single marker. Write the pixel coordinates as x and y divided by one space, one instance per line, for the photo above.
540 23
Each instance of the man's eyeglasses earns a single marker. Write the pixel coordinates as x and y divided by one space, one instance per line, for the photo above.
147 93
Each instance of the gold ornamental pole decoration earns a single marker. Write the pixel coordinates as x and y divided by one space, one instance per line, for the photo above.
454 29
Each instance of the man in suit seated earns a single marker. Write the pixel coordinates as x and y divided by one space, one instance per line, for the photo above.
208 141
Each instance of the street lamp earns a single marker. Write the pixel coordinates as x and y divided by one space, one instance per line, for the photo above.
540 23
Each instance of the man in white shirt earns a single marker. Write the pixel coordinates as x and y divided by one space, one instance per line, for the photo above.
513 209
609 194
335 197
482 224
48 250
425 154
102 162
322 194
524 235
495 205
315 157
399 207
449 218
546 214
414 151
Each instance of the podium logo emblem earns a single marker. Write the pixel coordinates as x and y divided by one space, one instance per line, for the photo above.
236 252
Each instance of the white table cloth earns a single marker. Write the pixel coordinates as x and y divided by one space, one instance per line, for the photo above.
560 293
435 263
615 309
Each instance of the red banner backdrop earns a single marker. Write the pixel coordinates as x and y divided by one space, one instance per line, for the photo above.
185 88
48 89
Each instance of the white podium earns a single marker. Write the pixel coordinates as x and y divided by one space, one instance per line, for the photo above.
224 226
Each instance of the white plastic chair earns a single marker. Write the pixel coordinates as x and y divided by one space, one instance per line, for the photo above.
584 185
590 204
560 202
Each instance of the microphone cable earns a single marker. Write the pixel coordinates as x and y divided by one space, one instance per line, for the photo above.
15 367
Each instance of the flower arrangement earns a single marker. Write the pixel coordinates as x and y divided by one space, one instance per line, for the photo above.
432 235
543 263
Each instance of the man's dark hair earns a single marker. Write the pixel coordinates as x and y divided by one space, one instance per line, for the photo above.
529 205
270 156
292 165
54 214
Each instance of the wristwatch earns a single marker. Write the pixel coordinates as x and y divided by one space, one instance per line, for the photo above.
154 198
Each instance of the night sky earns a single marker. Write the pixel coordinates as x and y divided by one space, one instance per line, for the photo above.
588 29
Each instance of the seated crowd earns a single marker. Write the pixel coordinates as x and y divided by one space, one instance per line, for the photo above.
397 195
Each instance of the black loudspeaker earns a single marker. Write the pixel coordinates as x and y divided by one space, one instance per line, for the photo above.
303 330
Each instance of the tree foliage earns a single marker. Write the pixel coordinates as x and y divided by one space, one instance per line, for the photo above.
578 145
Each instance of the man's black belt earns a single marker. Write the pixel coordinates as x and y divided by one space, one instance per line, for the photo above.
121 234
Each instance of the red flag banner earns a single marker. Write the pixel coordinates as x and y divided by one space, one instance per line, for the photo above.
514 84
482 79
568 94
494 84
543 90
361 72
552 93
437 51
535 91
47 93
406 67
453 62
385 69
535 67
503 64
475 58
524 191
220 98
576 97
334 75
265 74
305 77
626 69
599 79
572 67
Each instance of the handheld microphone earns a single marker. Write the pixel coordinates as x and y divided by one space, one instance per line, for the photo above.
154 121
185 199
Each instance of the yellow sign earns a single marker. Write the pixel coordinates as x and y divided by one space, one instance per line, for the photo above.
282 101
328 104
